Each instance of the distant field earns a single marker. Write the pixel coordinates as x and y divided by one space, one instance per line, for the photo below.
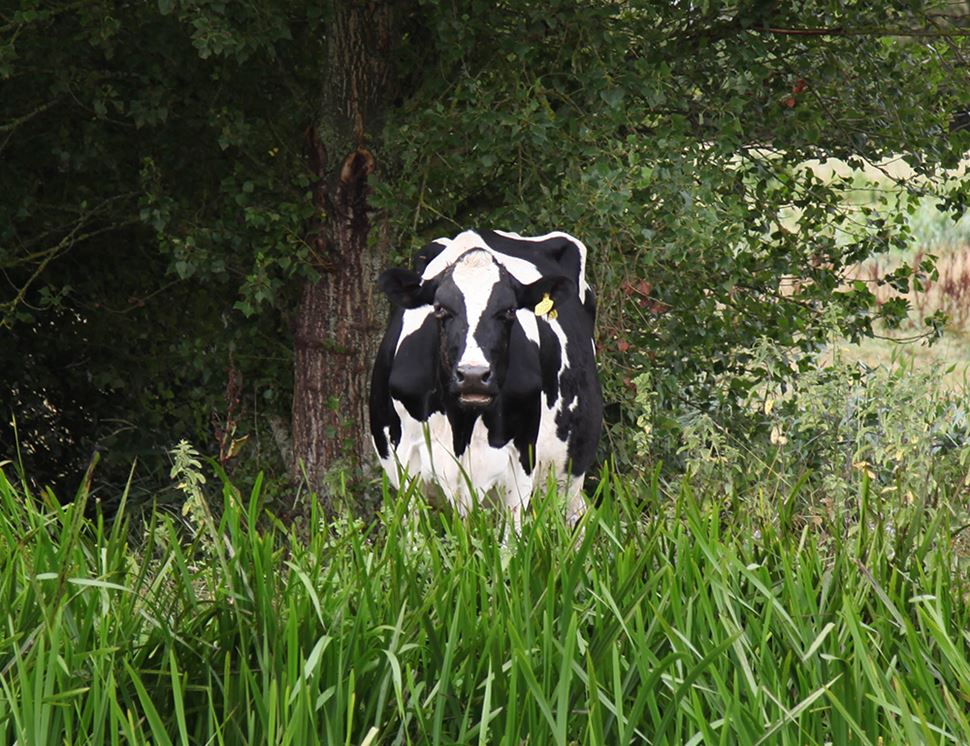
950 292
933 233
895 168
950 356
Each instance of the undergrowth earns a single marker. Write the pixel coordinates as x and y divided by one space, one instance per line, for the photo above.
673 617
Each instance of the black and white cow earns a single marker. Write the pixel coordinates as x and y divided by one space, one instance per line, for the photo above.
486 380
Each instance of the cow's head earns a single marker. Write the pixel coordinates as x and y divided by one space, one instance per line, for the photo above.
475 302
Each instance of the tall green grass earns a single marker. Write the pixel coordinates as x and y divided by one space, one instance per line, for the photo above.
672 619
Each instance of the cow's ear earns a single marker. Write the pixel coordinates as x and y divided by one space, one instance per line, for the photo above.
405 289
557 288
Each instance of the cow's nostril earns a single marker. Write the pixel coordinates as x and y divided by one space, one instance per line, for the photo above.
486 375
459 376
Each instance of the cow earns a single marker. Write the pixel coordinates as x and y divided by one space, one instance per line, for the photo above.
485 382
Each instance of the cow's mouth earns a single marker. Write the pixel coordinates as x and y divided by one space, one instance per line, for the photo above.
475 401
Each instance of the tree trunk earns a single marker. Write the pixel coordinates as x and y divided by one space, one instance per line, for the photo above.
338 323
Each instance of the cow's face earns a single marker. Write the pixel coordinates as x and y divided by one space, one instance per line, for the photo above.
475 302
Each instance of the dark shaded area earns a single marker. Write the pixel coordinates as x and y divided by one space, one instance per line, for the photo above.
125 245
960 121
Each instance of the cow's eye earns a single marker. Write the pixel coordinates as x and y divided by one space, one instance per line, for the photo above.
508 314
440 312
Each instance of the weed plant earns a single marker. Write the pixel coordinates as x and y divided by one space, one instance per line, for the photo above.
673 617
903 429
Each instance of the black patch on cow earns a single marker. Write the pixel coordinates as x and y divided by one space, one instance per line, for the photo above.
550 353
426 255
524 375
590 304
520 418
405 289
413 378
381 407
462 424
580 419
517 415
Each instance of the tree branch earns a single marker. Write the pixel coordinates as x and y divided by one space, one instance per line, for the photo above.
874 31
50 255
10 127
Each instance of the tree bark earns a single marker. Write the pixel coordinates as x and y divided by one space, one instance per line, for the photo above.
338 324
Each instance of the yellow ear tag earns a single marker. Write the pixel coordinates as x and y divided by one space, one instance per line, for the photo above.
545 306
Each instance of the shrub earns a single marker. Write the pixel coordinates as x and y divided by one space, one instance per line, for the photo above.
804 444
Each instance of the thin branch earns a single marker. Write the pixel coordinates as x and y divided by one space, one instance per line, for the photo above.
906 340
61 248
72 229
14 123
842 31
136 302
10 127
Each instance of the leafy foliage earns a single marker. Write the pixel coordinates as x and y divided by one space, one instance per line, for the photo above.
150 158
156 195
671 137
899 432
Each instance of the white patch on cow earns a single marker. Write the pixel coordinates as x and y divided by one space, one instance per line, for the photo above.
552 453
411 322
425 451
475 275
527 320
583 285
523 271
454 248
412 453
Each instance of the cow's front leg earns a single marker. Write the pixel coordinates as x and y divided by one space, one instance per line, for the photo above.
518 494
575 502
463 499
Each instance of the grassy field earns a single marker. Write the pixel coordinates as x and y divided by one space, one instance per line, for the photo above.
677 617
949 356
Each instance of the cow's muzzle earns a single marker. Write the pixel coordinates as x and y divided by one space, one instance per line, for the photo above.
474 386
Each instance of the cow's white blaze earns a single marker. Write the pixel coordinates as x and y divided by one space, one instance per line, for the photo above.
475 275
